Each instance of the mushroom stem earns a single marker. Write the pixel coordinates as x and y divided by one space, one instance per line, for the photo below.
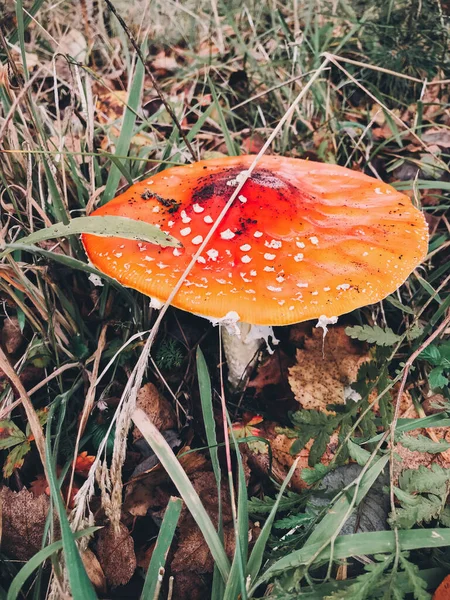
241 346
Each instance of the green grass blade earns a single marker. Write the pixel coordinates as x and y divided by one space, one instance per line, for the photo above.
120 165
237 579
163 543
437 420
107 226
35 561
359 544
231 146
169 461
127 130
14 37
21 37
80 584
256 557
204 384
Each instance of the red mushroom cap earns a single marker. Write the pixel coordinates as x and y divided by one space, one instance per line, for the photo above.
302 239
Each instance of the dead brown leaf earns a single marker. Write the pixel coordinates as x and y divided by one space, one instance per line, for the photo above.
94 570
147 491
431 404
282 459
437 136
12 337
144 556
24 517
156 407
144 495
325 367
273 371
115 552
189 586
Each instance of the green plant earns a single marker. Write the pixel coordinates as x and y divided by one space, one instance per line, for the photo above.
438 356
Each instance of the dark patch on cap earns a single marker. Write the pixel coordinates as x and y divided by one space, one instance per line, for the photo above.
170 203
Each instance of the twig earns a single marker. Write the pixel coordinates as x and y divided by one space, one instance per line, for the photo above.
152 77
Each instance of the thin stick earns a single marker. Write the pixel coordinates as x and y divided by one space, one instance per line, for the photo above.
152 78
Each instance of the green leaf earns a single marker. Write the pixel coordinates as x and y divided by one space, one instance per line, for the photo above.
421 443
418 585
121 227
444 349
78 347
10 434
78 265
444 517
204 384
319 447
360 455
423 511
159 554
263 506
429 480
311 476
422 494
432 577
437 379
256 557
294 521
366 584
395 302
432 354
373 335
15 458
414 332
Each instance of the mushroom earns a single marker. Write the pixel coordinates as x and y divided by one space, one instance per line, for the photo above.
302 240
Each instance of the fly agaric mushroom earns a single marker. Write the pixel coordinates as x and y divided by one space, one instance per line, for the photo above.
302 241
